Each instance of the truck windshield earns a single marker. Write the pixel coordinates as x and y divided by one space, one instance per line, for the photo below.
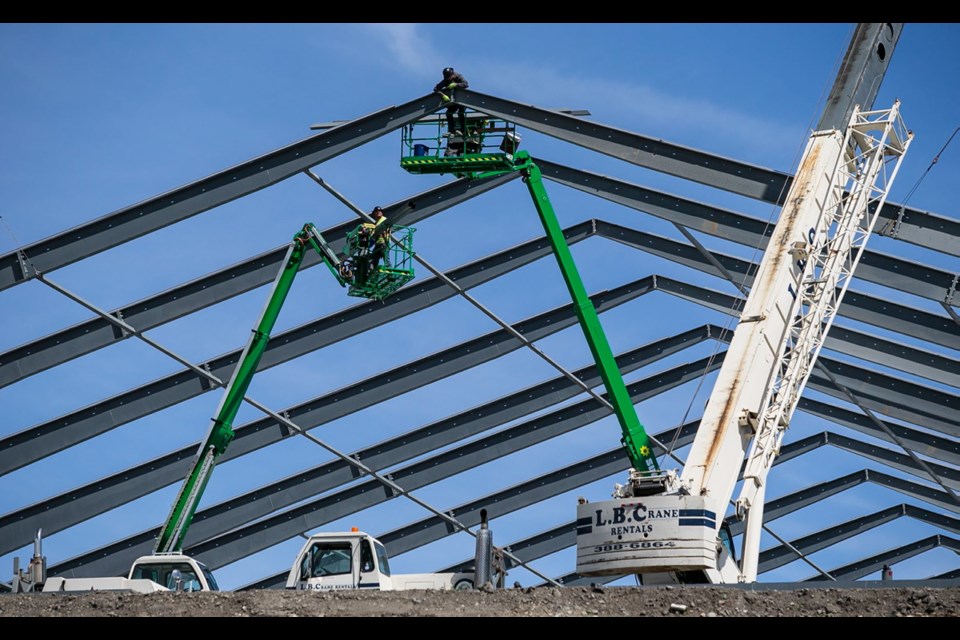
330 558
162 573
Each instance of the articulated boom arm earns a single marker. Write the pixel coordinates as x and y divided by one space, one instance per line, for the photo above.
490 148
634 437
221 427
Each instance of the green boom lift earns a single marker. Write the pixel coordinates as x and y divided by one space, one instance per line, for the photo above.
489 148
353 270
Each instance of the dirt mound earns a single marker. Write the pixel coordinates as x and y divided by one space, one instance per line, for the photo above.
528 602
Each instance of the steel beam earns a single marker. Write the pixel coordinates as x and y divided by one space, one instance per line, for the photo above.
919 362
943 449
912 278
915 226
949 575
96 333
781 555
797 500
184 202
866 566
263 533
77 505
881 268
949 476
909 321
39 441
908 401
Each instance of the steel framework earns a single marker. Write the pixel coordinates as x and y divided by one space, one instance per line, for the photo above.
270 514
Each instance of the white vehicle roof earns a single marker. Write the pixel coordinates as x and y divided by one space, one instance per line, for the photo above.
167 557
339 534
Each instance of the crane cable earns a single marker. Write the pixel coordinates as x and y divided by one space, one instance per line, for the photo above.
935 160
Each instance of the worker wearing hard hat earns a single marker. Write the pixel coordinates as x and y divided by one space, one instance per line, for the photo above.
377 234
456 114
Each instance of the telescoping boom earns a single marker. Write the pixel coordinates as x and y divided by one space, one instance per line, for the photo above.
354 271
488 148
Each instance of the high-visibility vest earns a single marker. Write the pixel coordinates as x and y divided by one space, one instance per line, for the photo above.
378 230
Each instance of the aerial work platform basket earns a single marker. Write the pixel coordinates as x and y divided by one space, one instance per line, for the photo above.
488 144
394 270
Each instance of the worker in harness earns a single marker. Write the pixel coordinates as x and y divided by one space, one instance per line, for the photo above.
456 114
375 236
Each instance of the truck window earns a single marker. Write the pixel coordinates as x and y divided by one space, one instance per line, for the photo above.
211 581
727 539
331 558
382 559
146 573
366 556
305 565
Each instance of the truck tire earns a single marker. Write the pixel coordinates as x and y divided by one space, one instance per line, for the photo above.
465 584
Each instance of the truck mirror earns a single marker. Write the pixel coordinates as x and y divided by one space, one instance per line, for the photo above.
177 579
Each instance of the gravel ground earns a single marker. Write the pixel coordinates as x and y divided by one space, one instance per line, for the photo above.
528 602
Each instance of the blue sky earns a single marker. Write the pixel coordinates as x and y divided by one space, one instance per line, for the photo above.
96 117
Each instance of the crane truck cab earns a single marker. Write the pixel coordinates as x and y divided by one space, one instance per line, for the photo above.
148 574
357 560
175 571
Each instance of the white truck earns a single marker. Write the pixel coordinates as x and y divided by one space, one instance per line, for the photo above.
148 574
332 560
357 560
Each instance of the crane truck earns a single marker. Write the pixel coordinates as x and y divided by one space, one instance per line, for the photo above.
167 568
669 526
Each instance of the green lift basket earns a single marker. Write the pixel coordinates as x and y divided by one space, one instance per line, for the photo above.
394 270
488 146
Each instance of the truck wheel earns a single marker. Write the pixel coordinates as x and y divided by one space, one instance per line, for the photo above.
463 585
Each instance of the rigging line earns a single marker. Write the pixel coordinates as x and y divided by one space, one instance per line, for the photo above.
16 242
726 329
936 159
754 263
